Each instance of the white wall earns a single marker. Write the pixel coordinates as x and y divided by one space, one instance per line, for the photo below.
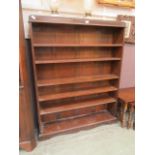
70 7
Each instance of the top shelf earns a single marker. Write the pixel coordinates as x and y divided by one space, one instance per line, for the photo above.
75 21
76 45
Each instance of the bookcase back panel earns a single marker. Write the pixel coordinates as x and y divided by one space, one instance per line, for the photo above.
67 34
64 53
51 71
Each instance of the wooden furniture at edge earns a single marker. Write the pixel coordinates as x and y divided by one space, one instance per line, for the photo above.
127 100
26 125
76 66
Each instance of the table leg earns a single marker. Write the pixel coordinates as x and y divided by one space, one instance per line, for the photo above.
124 109
131 117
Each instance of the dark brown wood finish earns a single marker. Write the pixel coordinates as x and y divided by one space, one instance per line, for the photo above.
76 66
27 139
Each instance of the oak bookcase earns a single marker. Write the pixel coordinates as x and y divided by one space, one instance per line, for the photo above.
77 65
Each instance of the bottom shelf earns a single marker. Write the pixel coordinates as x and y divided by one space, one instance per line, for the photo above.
77 123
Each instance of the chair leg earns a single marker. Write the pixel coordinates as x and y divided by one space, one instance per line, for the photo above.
123 119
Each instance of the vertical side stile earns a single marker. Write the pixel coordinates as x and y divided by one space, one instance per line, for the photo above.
35 78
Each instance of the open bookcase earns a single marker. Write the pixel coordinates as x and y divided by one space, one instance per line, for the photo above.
76 66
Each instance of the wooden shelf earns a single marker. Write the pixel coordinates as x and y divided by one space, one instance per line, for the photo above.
78 105
76 45
75 60
42 83
77 93
77 123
